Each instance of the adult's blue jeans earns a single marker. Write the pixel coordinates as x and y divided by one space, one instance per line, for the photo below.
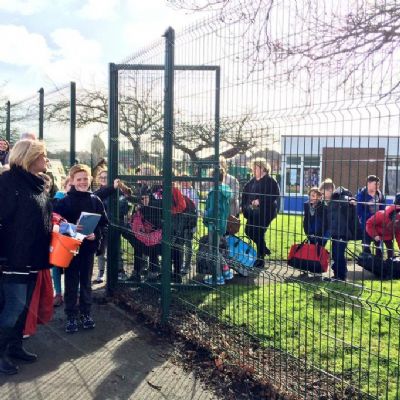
14 299
339 266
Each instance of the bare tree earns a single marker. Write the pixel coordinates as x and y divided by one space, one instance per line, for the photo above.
197 138
137 116
359 42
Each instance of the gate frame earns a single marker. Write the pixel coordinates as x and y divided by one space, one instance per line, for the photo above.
169 69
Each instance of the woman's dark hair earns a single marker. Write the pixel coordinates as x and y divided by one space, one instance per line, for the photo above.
5 141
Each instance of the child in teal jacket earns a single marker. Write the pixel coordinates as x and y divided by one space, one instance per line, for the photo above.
218 225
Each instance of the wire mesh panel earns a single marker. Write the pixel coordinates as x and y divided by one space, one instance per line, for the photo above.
91 127
300 285
56 133
140 107
24 117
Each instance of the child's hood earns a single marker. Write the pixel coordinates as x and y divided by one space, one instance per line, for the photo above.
225 190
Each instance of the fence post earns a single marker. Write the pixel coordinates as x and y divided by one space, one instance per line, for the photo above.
41 113
8 122
72 155
216 237
114 238
167 172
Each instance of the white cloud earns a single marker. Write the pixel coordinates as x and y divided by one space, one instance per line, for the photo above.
73 46
24 7
76 58
153 22
99 9
23 48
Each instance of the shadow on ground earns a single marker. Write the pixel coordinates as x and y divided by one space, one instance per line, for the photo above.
119 359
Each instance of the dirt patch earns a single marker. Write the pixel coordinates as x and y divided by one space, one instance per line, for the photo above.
236 364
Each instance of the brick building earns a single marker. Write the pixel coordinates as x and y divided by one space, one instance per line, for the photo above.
347 160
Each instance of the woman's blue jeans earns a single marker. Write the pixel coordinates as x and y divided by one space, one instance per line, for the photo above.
13 302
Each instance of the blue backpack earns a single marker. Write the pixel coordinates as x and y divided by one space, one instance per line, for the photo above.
241 255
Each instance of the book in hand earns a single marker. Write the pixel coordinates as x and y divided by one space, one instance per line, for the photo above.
88 222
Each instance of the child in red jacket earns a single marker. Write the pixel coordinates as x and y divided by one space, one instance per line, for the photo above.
385 226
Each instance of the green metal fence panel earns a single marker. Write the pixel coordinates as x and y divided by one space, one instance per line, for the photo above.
306 94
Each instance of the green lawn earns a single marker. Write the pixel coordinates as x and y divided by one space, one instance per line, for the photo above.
351 332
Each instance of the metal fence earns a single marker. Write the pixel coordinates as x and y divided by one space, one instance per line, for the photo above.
73 123
312 88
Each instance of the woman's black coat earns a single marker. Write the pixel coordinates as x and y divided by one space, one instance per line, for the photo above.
25 218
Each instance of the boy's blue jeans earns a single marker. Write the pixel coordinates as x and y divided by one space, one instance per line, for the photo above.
339 266
79 275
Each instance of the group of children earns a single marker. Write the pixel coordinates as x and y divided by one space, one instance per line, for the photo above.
330 214
335 214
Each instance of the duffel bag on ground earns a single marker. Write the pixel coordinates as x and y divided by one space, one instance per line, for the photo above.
309 257
382 269
240 255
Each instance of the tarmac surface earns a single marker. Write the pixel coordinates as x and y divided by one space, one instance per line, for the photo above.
119 359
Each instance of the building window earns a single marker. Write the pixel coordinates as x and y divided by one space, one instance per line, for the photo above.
293 179
311 173
392 176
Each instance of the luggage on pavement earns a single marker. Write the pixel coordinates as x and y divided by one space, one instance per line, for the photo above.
309 257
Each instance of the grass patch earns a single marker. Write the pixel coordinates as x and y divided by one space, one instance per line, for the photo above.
349 331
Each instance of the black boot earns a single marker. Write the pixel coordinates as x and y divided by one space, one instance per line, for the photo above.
16 350
21 354
6 366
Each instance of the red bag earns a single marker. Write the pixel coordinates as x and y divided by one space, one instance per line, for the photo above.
309 257
144 231
41 307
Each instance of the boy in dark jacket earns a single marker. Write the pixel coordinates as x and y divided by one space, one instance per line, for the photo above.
369 200
315 222
80 271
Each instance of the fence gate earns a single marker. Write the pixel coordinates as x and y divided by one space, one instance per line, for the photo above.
145 151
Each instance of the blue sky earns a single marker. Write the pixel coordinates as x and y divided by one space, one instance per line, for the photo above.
47 42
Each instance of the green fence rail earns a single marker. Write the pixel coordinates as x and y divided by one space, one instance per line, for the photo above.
307 87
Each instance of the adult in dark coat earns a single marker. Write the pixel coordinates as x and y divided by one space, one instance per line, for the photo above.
25 216
260 201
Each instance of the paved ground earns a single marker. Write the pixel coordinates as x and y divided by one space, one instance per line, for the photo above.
117 360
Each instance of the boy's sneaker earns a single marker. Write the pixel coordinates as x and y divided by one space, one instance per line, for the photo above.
209 280
228 275
71 326
87 322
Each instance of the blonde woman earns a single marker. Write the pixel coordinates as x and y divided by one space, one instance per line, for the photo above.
25 216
